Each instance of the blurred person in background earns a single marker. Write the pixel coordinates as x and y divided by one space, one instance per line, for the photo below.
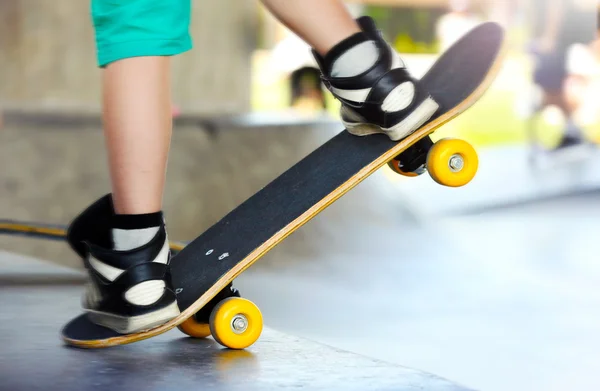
456 23
582 87
122 237
291 58
306 90
560 28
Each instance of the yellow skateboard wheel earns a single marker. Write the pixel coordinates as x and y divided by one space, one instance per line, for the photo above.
452 162
194 329
236 323
395 166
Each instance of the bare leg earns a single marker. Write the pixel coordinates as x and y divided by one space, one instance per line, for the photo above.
130 287
138 125
321 23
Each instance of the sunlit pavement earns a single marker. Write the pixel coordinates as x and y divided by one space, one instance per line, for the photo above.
493 286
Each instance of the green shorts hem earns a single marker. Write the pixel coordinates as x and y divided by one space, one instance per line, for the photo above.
107 54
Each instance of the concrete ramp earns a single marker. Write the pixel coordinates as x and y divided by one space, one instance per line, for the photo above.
505 177
33 356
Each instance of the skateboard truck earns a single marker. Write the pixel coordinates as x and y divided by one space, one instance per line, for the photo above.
450 162
412 162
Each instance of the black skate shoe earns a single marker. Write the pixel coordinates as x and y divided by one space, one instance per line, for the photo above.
383 99
128 291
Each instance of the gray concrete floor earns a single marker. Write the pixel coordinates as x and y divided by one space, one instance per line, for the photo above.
33 357
502 299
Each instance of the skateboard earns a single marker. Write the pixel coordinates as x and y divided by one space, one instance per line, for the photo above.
209 263
52 232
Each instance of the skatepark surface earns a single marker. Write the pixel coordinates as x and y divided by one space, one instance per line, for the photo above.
33 358
491 292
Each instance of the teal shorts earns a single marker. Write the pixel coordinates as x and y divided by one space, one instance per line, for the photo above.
134 28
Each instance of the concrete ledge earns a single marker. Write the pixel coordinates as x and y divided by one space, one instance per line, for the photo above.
51 174
86 120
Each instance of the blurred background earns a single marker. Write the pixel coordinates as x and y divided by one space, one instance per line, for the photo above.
492 285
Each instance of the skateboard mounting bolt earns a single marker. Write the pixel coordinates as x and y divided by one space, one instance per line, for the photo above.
456 163
239 324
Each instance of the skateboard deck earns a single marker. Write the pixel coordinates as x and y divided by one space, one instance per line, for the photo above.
215 258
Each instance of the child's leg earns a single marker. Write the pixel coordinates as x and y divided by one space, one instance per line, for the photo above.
122 237
321 24
137 127
359 68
